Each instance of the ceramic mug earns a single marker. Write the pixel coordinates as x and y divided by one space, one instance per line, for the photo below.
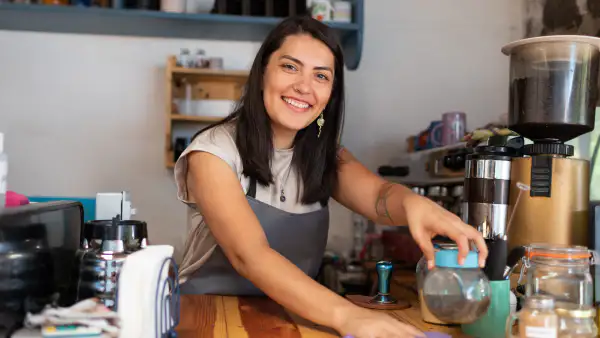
493 323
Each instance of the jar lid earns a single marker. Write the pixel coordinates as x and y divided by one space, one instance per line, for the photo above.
553 251
539 302
448 258
573 310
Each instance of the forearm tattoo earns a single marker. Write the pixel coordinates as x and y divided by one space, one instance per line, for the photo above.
381 202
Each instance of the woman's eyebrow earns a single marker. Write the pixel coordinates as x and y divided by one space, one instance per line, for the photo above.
291 58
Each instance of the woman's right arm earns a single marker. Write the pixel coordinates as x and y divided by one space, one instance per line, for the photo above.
223 204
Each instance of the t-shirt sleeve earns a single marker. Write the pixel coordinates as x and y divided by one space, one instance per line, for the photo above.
218 141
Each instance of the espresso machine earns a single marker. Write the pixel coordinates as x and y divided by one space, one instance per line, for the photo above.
552 100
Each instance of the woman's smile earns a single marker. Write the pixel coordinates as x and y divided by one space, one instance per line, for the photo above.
297 105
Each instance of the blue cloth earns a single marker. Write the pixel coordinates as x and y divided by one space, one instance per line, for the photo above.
89 204
437 335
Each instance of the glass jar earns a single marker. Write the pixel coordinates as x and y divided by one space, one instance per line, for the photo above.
456 293
536 319
421 272
562 272
576 321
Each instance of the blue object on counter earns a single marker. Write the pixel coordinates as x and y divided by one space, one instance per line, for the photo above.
89 204
384 269
437 335
427 334
449 259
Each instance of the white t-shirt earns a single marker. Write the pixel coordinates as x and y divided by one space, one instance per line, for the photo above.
220 141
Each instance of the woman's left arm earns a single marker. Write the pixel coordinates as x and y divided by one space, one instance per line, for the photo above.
388 203
367 194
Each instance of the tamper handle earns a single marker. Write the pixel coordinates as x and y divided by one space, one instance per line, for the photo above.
384 272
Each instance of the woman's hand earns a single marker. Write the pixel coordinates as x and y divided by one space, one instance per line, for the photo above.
426 219
358 322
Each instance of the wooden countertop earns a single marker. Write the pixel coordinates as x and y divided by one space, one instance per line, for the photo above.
254 317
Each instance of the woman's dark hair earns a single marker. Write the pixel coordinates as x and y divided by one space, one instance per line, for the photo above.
314 158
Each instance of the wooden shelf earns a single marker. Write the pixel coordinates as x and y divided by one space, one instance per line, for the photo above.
152 23
210 72
199 119
206 85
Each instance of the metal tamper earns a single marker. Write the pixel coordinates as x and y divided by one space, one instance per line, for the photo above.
384 273
383 300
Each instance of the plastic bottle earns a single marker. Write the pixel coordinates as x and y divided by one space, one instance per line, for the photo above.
3 172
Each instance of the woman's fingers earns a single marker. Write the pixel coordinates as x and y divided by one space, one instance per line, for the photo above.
455 233
463 246
438 221
476 236
424 242
471 234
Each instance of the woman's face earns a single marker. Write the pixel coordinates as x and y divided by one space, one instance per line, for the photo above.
298 81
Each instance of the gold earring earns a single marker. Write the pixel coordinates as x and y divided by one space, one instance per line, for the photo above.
320 123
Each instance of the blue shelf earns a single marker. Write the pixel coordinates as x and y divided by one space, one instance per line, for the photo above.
146 23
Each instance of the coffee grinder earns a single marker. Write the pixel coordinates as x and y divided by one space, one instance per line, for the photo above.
552 100
486 197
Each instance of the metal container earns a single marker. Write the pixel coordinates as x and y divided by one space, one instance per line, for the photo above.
100 266
133 233
485 202
553 86
486 189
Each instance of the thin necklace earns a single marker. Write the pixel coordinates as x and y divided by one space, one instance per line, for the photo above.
282 196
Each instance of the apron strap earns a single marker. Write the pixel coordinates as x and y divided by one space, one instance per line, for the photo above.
252 188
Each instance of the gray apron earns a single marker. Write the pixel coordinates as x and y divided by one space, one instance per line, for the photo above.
301 238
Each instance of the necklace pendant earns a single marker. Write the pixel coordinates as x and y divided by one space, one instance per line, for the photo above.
282 198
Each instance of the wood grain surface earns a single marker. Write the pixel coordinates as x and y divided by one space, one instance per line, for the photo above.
204 316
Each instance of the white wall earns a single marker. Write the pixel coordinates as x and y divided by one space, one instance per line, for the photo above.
420 59
84 114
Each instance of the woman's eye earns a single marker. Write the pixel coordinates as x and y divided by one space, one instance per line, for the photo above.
287 66
322 77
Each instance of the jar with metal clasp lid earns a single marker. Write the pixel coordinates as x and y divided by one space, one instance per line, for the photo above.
576 321
562 272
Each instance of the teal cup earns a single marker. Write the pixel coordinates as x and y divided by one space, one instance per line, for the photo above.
493 323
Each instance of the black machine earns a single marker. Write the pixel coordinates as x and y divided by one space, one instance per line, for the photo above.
38 259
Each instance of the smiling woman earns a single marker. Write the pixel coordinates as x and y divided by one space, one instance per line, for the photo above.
297 91
259 183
